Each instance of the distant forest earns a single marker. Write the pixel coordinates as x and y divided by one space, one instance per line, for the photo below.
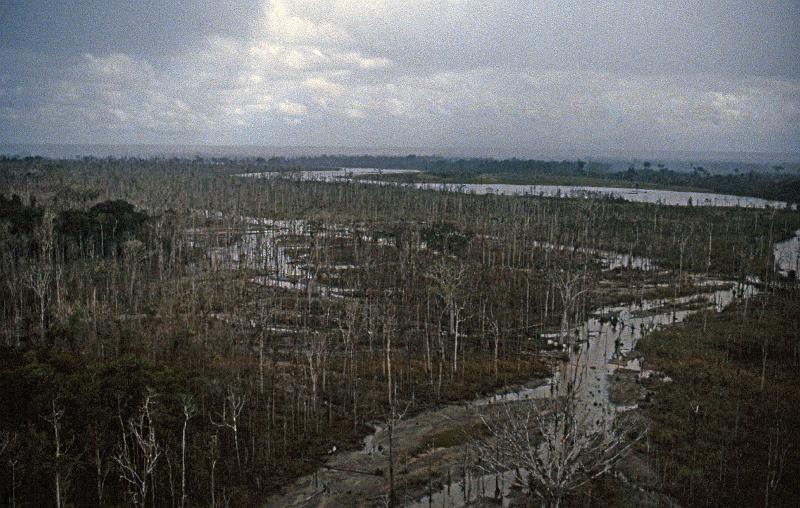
448 166
780 185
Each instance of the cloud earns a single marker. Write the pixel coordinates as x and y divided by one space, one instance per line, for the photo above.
527 78
285 26
292 108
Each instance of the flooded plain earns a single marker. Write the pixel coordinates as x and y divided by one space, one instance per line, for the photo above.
654 196
598 347
595 349
787 255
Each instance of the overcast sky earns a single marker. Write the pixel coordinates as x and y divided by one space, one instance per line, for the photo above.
519 76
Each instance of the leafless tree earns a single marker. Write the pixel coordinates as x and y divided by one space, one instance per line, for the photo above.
570 285
231 410
54 419
189 408
348 329
776 458
137 460
317 355
555 447
13 463
5 438
213 455
39 278
392 420
102 468
10 444
448 281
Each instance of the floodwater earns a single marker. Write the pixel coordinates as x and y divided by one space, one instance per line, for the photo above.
655 196
787 255
597 348
264 245
271 249
609 260
328 175
602 348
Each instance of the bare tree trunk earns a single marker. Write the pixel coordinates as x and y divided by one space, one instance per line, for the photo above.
55 420
391 462
189 410
454 330
13 464
236 400
39 282
214 452
261 366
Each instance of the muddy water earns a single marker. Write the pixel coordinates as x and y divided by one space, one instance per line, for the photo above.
601 348
609 260
473 487
328 175
267 246
787 255
666 197
655 196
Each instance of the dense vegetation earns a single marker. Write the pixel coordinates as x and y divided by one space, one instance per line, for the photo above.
442 166
142 339
725 431
773 186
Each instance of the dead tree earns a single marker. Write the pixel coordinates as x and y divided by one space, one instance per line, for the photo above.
776 458
317 355
10 444
39 282
213 456
137 460
555 448
54 419
5 438
348 328
189 408
231 410
570 286
448 281
392 420
496 328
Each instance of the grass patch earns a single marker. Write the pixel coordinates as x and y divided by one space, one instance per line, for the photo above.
731 418
624 389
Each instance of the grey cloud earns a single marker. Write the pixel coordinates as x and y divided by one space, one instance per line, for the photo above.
525 76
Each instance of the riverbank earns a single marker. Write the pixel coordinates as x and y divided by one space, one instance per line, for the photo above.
490 179
613 190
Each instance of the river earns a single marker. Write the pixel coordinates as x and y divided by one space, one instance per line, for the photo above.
654 196
602 346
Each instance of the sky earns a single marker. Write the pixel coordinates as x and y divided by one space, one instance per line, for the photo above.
511 76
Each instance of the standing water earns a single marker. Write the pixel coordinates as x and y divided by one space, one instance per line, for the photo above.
602 350
787 255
